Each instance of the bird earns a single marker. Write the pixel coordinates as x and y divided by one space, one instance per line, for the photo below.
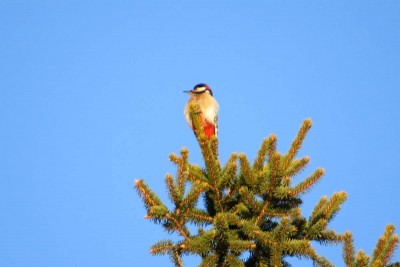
201 97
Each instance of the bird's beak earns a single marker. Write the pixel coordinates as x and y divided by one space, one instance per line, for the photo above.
187 92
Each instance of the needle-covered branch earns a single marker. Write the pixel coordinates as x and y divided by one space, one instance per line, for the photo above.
267 148
249 214
383 251
385 247
297 142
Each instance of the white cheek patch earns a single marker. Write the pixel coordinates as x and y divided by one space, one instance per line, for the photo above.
200 89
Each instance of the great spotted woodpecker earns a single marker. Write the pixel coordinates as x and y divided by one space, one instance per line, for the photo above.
202 98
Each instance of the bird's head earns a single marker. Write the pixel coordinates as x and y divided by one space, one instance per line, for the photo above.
200 89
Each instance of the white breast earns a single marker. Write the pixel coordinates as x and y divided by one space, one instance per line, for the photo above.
208 106
211 113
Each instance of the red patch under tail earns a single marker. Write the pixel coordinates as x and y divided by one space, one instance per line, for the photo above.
209 128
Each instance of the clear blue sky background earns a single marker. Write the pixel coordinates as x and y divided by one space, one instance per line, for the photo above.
91 98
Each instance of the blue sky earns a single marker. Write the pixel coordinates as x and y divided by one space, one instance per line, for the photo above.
91 99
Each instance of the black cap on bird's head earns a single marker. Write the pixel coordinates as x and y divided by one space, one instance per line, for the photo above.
200 88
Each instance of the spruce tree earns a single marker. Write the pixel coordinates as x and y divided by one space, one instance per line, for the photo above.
248 213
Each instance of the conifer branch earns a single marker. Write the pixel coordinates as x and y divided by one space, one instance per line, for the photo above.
210 162
283 230
214 145
263 237
286 181
195 114
221 223
296 166
173 193
321 261
182 170
268 146
274 176
199 217
383 251
209 147
179 226
348 249
318 209
330 237
246 172
209 150
192 197
157 213
149 197
232 219
200 244
167 247
248 198
176 258
174 158
250 229
250 208
228 176
333 205
362 259
307 183
280 214
240 246
297 142
162 247
262 214
195 173
390 248
309 252
297 247
314 231
385 247
326 209
232 260
283 192
276 255
209 261
272 145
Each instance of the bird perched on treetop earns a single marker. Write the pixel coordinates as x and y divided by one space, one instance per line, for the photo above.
202 98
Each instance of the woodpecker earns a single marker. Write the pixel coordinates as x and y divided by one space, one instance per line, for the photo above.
202 97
